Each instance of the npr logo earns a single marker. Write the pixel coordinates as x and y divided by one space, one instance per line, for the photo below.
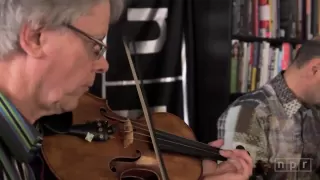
293 165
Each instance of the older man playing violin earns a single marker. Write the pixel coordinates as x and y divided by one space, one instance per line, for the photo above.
50 52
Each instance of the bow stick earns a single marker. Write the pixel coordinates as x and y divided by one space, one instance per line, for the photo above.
163 171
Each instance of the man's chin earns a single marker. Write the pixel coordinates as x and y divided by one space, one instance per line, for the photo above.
70 103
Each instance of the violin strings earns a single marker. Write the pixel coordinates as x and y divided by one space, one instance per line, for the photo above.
173 139
195 143
191 150
205 153
204 147
191 147
147 135
196 148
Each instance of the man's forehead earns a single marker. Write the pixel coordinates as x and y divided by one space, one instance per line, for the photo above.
95 23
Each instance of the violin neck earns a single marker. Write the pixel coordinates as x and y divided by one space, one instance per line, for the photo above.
175 144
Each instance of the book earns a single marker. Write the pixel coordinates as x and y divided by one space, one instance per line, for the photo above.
253 64
290 19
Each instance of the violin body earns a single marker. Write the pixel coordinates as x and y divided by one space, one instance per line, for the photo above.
125 152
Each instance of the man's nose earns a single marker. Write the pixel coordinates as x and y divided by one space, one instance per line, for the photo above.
101 65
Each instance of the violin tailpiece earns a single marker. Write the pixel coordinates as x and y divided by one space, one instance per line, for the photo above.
93 131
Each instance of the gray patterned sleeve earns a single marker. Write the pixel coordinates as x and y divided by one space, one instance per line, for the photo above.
241 125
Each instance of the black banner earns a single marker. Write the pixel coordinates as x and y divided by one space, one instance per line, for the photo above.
154 30
181 49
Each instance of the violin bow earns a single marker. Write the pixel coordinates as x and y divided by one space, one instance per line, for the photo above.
163 171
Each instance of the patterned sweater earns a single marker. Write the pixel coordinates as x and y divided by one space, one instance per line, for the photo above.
275 128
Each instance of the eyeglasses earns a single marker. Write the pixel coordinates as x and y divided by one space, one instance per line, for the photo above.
103 46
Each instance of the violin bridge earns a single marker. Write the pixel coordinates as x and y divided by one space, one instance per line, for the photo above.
128 134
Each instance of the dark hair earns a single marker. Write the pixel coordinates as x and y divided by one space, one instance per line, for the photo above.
309 50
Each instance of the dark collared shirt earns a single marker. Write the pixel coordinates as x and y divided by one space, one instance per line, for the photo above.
276 128
21 131
17 139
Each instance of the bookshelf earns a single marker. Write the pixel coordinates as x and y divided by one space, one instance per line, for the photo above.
274 41
265 37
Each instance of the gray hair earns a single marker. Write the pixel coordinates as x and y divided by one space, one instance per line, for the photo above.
48 13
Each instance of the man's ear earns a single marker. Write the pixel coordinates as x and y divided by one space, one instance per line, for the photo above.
29 39
313 68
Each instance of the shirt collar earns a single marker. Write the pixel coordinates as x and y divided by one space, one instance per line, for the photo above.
281 88
17 127
286 97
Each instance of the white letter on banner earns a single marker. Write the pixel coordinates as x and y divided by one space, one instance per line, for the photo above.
158 15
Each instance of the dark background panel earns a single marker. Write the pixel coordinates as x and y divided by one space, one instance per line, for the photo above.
211 38
206 25
167 94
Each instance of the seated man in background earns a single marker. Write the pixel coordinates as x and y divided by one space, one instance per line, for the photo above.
279 124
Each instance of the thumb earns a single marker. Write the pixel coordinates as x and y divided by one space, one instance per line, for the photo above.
209 166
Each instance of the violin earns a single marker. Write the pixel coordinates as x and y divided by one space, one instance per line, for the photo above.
103 145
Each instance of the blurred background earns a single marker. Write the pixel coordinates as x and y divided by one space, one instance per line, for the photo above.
197 56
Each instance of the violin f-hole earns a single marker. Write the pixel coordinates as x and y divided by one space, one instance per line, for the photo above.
119 160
